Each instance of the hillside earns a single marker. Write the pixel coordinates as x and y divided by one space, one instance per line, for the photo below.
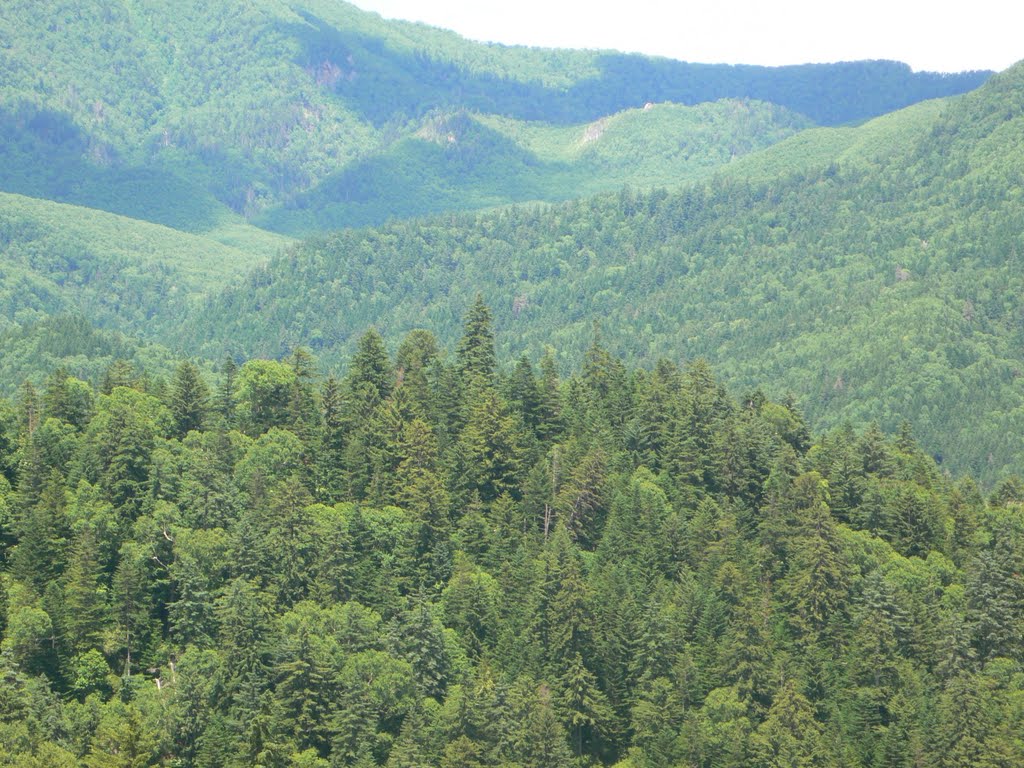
118 271
179 114
461 162
431 564
878 280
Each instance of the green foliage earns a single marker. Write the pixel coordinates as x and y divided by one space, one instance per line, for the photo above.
195 116
876 281
447 560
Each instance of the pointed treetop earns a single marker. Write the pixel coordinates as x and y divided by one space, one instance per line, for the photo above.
476 357
371 370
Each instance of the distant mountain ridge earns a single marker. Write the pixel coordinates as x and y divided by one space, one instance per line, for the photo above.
188 113
871 269
874 272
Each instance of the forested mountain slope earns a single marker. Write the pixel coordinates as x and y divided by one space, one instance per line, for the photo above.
183 113
880 278
460 161
115 270
432 564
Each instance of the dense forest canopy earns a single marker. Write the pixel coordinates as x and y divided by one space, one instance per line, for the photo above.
391 497
874 272
459 559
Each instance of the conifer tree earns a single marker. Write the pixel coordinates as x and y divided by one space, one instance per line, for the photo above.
416 364
43 533
491 446
818 582
584 705
189 399
130 600
288 541
476 360
417 638
421 492
995 593
544 742
790 736
119 373
225 402
370 377
67 399
330 454
549 423
85 595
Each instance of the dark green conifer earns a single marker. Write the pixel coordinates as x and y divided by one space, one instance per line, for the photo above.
189 399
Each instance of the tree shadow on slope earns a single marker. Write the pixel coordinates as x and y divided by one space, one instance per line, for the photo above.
45 154
452 164
385 85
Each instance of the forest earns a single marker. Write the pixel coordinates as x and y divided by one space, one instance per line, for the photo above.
156 163
451 558
641 414
205 112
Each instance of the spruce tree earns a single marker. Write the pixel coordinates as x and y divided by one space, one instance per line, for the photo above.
189 399
476 360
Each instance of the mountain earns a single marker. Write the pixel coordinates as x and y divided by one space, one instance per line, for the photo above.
148 150
875 272
119 271
183 114
463 161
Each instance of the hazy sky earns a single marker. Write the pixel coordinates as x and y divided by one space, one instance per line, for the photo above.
939 35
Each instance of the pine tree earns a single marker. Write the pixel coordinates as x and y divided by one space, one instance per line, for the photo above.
651 424
119 373
790 736
330 456
584 705
303 685
415 365
544 743
580 501
191 614
67 399
40 556
189 400
130 600
422 494
995 594
418 638
491 447
225 402
370 377
747 655
568 616
549 422
85 595
817 585
476 360
523 394
245 638
303 408
656 718
29 410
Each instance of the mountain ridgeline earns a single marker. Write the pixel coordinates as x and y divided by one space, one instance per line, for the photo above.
660 414
199 112
459 561
875 272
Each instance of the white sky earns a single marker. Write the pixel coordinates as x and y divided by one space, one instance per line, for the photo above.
941 35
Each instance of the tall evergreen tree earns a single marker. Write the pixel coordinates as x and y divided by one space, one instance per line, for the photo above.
40 556
475 356
189 399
